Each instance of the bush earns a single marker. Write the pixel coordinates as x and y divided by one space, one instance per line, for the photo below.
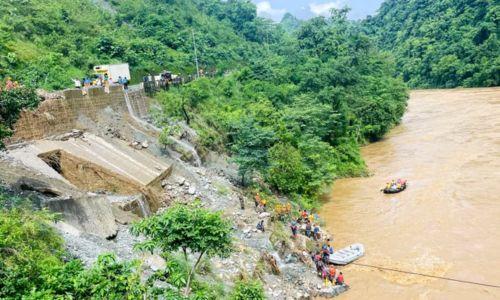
249 289
34 264
11 104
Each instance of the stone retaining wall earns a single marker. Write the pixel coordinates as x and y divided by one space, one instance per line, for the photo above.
57 116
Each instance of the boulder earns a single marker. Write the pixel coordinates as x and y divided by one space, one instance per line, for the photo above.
264 215
154 262
181 181
123 217
291 259
332 291
133 204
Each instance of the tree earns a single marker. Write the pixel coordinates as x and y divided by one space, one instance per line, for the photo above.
440 43
250 147
186 228
286 171
178 102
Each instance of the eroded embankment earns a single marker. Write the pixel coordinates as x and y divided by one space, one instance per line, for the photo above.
102 168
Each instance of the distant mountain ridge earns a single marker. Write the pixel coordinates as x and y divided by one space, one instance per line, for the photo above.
290 23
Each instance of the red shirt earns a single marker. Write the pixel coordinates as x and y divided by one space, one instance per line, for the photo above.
340 278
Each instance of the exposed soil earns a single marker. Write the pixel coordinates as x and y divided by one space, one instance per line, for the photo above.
88 176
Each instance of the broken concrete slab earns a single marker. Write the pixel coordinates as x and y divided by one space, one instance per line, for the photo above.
90 215
44 188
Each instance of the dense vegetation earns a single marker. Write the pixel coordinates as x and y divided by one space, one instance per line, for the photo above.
47 43
294 104
441 43
35 265
298 114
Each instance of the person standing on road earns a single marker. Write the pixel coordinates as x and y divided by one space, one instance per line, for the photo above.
78 83
125 83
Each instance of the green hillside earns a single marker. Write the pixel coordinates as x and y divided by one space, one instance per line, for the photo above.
291 105
298 114
46 43
441 43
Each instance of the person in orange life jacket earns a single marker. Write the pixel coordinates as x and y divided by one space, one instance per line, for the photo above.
304 215
257 200
331 273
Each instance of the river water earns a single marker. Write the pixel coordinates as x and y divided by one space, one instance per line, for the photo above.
447 222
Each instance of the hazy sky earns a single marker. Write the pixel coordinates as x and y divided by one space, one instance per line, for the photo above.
304 9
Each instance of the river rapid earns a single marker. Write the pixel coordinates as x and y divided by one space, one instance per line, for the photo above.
447 222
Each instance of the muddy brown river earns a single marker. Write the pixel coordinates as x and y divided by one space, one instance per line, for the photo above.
447 222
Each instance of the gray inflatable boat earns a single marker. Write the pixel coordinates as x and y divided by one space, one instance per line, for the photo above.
348 254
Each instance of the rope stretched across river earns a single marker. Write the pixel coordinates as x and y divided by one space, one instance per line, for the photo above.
427 275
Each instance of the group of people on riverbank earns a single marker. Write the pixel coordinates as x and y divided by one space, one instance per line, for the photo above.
308 223
320 258
328 273
306 220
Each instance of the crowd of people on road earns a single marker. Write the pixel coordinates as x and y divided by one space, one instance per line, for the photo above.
99 81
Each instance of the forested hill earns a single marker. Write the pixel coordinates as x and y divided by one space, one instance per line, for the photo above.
441 43
46 43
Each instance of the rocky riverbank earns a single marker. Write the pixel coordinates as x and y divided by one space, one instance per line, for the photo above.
96 216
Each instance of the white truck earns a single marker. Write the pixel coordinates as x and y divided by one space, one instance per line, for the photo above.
114 71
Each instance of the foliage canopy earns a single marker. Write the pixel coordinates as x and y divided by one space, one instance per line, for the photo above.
441 43
298 113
